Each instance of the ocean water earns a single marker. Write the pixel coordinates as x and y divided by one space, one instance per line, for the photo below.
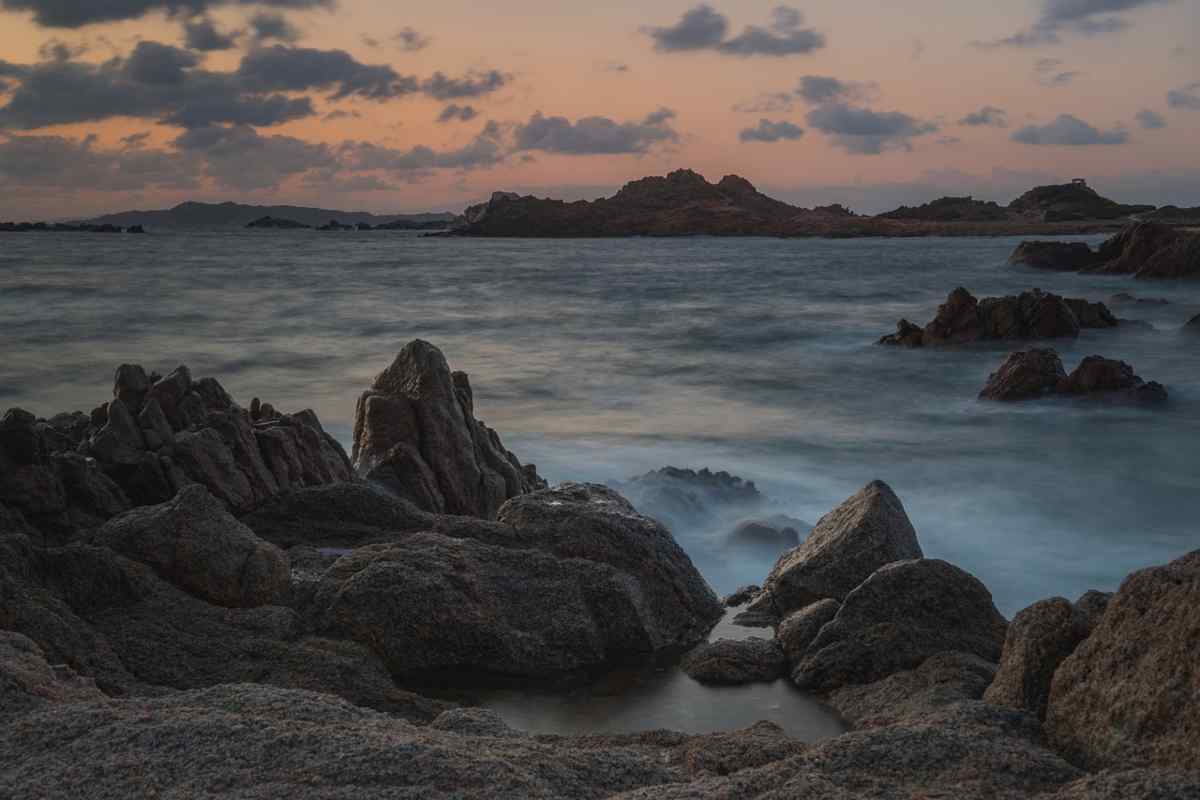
601 359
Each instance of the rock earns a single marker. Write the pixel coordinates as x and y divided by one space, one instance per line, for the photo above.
120 441
1092 315
1039 639
1066 256
130 386
940 681
1127 696
1025 375
1134 784
1151 250
760 612
741 596
683 498
1192 325
773 535
170 393
906 335
957 320
1092 604
415 433
156 430
847 545
902 614
205 459
1099 376
1071 201
194 543
800 628
473 722
734 751
1126 297
27 682
735 661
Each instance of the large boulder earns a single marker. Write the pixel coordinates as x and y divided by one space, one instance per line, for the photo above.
1065 256
735 661
901 615
193 542
1038 640
1025 375
849 543
416 434
584 581
1128 695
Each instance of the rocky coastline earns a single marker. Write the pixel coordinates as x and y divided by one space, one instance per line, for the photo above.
1145 250
200 598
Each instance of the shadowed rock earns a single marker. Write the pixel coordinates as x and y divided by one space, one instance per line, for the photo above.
1037 373
1065 256
1025 375
940 681
735 661
1151 250
1039 639
800 628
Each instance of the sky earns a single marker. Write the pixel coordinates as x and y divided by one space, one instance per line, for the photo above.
377 105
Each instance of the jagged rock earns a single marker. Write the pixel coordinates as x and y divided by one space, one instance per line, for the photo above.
585 580
1066 256
339 515
1099 376
170 393
1025 375
120 441
205 459
940 681
415 433
760 612
907 335
849 543
91 495
156 430
194 543
1127 696
735 661
1039 639
902 614
1092 315
798 629
130 385
1151 250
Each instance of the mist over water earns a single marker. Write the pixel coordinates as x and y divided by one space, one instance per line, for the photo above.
600 360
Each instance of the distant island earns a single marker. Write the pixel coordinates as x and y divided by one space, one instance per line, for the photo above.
239 215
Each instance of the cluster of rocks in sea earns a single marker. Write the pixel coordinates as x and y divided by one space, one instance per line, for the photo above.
1144 250
65 227
274 624
1039 372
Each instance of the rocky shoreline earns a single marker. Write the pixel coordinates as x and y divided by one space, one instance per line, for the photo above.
198 598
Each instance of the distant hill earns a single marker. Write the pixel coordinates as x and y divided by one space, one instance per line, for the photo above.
238 215
950 209
1071 201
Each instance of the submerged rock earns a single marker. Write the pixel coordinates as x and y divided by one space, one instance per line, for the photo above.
415 433
1039 639
734 661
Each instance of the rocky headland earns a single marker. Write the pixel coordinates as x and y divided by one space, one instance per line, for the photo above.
200 598
1144 250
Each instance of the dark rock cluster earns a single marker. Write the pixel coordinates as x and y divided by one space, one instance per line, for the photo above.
1039 372
1143 249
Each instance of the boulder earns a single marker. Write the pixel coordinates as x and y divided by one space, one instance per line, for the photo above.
847 545
735 661
1092 604
798 629
741 596
415 433
1039 638
1065 256
193 542
1127 696
939 682
1112 379
130 386
1025 375
759 612
901 615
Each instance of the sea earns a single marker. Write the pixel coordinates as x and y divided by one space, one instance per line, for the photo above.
599 360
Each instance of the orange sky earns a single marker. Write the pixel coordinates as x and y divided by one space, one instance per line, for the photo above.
561 60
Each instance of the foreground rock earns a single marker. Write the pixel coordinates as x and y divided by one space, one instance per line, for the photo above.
941 681
734 661
1036 373
847 545
415 433
1035 314
1128 695
1038 640
901 615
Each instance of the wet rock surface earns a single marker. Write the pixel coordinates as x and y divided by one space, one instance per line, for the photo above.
730 661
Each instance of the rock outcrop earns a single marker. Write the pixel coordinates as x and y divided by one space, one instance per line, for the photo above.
1071 201
1036 373
1127 697
1143 249
1025 375
1034 314
901 615
866 532
735 661
1039 639
415 434
1065 256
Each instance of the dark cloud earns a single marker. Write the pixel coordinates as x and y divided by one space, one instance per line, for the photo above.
704 28
77 13
456 113
238 157
987 116
485 150
1187 98
1078 17
768 131
155 63
594 135
865 132
1068 131
333 116
295 69
1151 120
58 50
203 35
771 103
270 26
55 162
818 89
411 40
474 84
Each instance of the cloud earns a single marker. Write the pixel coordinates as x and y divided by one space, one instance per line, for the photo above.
1187 98
865 132
819 89
238 157
768 131
411 40
456 113
55 162
614 66
203 35
340 113
77 13
704 28
1046 72
1074 17
987 116
474 84
485 150
268 26
594 135
772 103
1069 131
294 69
1151 120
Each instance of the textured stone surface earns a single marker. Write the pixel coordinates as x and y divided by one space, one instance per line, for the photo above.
1039 638
1066 256
861 535
940 681
798 629
1134 784
1025 375
1128 695
735 661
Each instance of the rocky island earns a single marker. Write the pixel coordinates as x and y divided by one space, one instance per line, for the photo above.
225 597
